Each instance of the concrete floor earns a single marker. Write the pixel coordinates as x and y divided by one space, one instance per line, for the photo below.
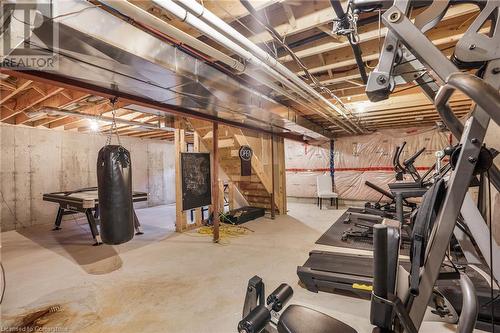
163 281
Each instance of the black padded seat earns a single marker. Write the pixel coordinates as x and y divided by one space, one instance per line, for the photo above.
301 319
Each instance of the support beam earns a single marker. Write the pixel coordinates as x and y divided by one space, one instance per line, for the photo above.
62 100
306 22
327 29
368 33
20 86
6 85
180 147
273 180
26 101
289 15
215 181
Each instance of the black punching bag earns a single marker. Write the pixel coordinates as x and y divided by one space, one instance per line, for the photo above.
114 185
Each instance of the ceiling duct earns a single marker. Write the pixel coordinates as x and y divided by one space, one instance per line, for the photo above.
145 69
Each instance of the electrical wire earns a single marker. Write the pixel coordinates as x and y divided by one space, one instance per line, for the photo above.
226 231
57 16
8 208
4 283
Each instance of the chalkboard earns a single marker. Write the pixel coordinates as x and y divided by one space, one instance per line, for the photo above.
196 181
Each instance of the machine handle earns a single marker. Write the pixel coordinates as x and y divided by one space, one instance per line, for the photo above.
397 156
475 88
380 311
379 189
470 307
414 157
255 321
279 297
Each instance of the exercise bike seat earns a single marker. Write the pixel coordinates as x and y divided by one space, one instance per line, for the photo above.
301 319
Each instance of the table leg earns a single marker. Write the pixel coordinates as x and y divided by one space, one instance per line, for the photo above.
137 225
57 224
337 203
93 227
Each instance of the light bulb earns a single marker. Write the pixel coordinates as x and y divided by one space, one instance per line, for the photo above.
94 126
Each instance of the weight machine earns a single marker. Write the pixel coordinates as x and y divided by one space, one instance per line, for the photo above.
400 298
406 43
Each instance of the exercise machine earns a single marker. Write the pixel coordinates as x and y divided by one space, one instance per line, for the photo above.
400 298
406 39
262 314
399 207
408 167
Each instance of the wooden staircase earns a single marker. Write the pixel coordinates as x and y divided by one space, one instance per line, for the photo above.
257 188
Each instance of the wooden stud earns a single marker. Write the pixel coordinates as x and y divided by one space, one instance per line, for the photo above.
215 180
280 153
26 101
273 200
198 218
21 85
231 195
180 146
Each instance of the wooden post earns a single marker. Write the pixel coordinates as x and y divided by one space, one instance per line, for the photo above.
198 218
180 146
231 195
281 190
273 207
215 180
332 163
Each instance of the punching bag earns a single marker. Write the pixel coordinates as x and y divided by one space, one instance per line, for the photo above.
114 185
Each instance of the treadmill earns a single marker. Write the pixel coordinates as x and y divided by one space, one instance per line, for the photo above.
333 272
330 272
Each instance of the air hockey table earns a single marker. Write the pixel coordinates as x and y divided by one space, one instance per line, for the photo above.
86 201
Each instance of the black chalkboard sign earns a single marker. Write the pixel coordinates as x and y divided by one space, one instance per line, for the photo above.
196 181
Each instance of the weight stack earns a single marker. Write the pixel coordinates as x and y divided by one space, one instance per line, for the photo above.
114 185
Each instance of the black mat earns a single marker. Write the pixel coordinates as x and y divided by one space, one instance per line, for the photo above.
333 236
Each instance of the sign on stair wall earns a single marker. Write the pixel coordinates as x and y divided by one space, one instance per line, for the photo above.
246 160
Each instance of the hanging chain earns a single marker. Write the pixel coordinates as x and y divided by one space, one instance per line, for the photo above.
113 124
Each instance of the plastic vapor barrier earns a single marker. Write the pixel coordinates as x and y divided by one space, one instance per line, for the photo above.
358 159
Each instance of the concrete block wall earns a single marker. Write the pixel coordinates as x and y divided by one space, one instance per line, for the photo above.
35 161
